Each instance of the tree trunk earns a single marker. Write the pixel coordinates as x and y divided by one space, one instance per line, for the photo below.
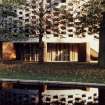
102 43
87 52
0 51
101 96
42 52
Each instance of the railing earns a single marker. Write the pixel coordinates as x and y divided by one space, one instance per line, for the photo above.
31 57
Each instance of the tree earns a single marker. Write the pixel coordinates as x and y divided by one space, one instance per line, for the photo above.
41 13
89 15
93 10
102 43
7 9
13 2
95 18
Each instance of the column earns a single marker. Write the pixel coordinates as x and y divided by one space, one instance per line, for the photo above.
0 51
44 52
87 52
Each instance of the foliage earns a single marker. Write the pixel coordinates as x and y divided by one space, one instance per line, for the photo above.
7 12
16 2
92 14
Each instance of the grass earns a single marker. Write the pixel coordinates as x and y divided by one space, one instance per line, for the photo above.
73 72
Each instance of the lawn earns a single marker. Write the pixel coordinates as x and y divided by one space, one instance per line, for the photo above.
73 72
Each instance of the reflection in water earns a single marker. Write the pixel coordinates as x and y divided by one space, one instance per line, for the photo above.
71 97
49 97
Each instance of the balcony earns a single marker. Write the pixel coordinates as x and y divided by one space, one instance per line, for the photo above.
33 17
70 25
77 20
33 2
70 30
70 19
62 22
70 4
63 32
56 35
63 17
77 23
48 1
70 35
55 31
63 27
48 31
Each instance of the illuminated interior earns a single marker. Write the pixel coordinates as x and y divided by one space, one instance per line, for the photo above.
8 51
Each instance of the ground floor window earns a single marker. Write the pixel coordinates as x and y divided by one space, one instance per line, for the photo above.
62 52
8 51
72 52
31 52
27 51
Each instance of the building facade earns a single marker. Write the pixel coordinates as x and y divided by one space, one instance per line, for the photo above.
65 37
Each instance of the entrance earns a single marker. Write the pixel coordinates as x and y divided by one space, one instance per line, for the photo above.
62 52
